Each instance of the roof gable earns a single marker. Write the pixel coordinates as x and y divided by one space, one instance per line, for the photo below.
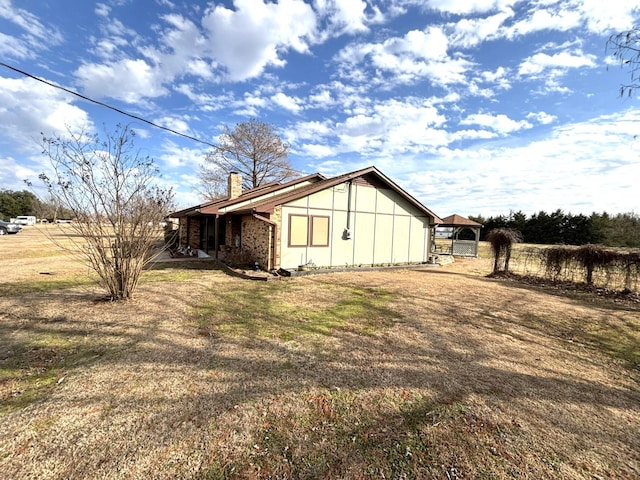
368 176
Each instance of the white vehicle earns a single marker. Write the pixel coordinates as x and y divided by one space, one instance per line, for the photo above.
25 220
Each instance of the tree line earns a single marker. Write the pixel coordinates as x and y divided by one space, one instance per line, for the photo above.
23 202
614 230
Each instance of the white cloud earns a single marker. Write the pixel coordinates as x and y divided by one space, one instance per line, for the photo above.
542 117
343 16
314 150
29 22
404 60
582 167
596 16
182 49
35 36
290 104
204 101
430 44
459 135
381 130
314 130
499 123
14 47
30 107
251 37
470 32
14 172
538 63
322 99
127 80
500 78
543 19
102 10
174 156
465 7
174 123
608 17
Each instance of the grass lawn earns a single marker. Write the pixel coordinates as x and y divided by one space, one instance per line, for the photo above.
418 373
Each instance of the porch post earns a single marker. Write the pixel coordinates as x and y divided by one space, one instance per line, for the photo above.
206 234
215 233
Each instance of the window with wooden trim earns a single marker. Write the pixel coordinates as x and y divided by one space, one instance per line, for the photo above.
319 234
308 231
298 230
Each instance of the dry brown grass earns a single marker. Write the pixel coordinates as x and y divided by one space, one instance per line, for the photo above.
423 373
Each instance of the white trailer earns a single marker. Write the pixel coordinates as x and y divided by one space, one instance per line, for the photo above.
25 220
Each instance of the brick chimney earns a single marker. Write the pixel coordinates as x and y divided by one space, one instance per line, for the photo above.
235 185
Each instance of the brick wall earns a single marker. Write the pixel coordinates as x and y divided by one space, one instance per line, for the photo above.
234 185
256 240
190 232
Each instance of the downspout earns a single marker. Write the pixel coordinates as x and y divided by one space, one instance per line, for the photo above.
273 225
346 235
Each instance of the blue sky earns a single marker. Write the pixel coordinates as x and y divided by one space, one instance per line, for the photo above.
472 106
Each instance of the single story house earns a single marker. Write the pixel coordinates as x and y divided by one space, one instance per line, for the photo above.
359 218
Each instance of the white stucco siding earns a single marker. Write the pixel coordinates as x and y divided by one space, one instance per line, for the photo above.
400 236
383 239
402 207
385 201
364 199
292 256
418 239
384 228
363 238
322 200
341 247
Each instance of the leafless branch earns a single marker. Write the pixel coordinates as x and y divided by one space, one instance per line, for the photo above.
116 206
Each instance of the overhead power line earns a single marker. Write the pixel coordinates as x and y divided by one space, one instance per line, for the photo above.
102 104
110 107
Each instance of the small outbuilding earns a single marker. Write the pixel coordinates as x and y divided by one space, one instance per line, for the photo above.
463 233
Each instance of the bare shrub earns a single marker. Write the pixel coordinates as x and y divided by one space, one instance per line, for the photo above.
116 205
556 260
591 256
502 240
630 264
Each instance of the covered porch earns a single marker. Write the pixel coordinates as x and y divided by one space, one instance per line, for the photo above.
241 238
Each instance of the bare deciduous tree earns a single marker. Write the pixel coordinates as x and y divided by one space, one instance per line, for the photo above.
213 180
252 149
116 204
626 49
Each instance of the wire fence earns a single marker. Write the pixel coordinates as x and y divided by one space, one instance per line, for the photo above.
591 264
